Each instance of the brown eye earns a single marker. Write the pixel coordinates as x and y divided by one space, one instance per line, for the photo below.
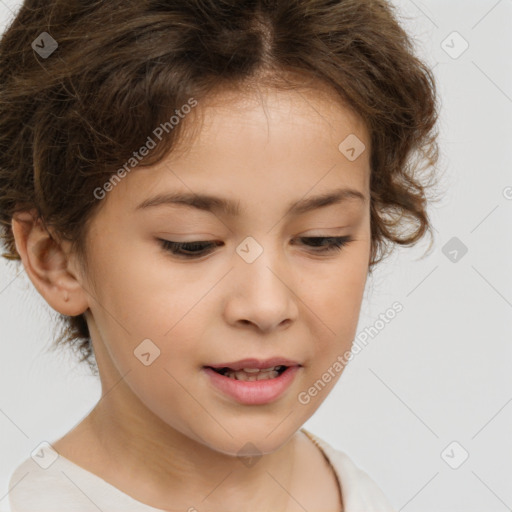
325 244
320 244
188 249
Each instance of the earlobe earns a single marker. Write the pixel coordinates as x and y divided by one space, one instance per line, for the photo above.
46 264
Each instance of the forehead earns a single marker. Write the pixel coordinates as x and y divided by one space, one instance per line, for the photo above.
258 146
260 113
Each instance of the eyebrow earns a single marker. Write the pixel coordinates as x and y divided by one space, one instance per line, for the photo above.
229 207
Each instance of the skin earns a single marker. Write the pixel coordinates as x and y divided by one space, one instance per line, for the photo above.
163 434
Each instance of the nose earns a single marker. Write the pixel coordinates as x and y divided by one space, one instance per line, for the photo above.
262 293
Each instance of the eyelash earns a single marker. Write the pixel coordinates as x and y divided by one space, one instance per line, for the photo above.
336 244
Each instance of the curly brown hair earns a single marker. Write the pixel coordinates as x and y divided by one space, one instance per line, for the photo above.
69 120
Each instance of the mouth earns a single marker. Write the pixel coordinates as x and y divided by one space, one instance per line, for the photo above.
252 386
251 374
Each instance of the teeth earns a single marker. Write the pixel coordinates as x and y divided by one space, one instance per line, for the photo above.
256 370
252 376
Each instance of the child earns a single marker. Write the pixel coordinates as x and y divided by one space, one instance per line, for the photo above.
200 188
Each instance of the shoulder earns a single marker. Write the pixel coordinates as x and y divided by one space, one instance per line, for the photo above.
359 490
34 487
48 482
45 482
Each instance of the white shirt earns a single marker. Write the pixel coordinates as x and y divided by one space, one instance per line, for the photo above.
65 486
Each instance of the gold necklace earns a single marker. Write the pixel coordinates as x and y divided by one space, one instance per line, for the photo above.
315 442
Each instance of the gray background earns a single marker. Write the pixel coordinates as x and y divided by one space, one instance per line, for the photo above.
439 372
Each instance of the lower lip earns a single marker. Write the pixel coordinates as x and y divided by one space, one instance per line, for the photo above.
253 393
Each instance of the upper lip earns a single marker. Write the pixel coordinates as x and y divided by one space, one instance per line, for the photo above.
256 363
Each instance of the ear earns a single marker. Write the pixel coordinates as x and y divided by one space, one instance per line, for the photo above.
48 265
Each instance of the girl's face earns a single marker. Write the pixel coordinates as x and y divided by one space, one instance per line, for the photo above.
262 278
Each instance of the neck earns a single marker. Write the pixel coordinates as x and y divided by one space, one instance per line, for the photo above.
158 465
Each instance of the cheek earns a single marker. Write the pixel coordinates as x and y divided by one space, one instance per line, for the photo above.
132 286
335 299
162 304
337 305
340 287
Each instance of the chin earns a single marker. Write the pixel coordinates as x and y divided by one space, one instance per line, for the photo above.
250 442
